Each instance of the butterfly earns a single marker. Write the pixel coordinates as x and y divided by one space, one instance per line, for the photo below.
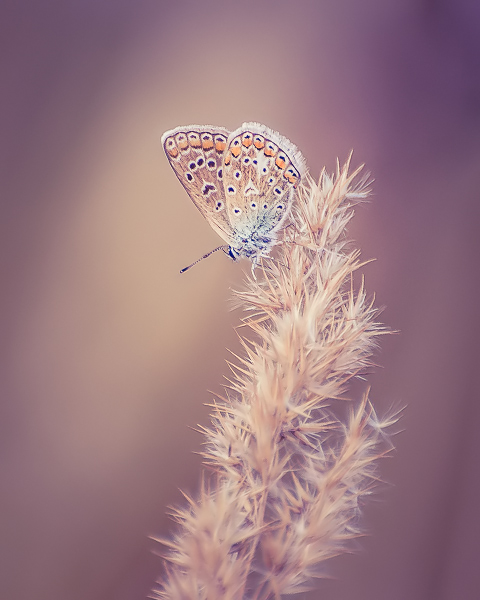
243 182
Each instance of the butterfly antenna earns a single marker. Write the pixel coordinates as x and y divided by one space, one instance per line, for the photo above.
224 248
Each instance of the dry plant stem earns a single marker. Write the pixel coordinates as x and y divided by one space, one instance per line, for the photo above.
290 474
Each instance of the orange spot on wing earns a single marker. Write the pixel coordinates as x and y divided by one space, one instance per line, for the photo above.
236 151
173 152
259 144
247 142
183 144
290 178
280 163
227 159
195 143
269 152
207 144
220 145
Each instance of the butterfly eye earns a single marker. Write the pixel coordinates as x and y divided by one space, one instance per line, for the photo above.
246 161
264 169
237 211
237 174
231 189
253 205
280 207
211 164
255 162
278 191
200 161
189 176
192 165
265 206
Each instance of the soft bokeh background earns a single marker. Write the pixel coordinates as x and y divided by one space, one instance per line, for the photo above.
108 353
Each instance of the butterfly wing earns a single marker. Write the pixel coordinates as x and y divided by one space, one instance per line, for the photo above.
195 153
261 171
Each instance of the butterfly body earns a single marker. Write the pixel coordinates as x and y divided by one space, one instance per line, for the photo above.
243 182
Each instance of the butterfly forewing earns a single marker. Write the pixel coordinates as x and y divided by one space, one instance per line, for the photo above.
196 155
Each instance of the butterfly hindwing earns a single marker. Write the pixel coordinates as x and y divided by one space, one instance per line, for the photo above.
261 172
196 155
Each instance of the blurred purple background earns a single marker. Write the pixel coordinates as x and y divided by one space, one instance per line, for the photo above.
107 352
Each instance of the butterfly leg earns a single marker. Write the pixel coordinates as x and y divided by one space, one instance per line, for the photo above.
254 264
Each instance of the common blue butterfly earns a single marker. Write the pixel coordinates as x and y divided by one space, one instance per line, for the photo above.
243 182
